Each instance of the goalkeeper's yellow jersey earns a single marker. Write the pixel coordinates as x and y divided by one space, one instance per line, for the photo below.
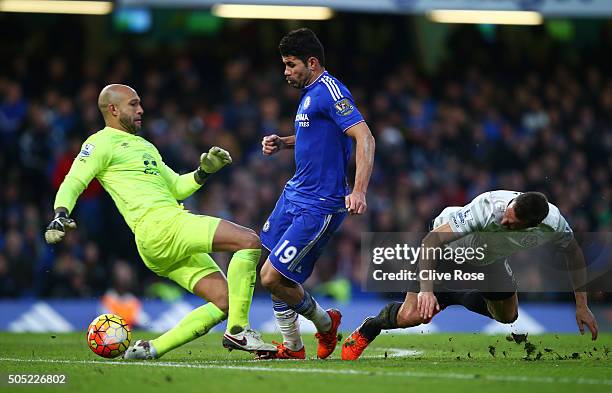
131 170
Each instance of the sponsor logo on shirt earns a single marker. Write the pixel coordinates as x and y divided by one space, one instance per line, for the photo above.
302 119
266 226
88 148
306 102
461 218
344 107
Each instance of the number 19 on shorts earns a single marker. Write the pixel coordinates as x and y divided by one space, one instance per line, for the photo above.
288 253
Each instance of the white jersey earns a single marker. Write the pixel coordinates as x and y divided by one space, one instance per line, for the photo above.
482 217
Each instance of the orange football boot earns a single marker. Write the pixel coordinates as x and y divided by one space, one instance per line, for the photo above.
354 345
329 340
282 353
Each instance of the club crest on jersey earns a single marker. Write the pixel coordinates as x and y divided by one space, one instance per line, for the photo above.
306 102
150 164
344 107
88 148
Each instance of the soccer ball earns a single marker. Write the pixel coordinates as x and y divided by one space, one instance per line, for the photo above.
109 335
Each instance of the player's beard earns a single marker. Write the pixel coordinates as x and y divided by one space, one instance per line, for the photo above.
128 123
300 83
308 77
295 83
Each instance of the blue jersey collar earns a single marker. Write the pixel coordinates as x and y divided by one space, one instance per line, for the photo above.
311 84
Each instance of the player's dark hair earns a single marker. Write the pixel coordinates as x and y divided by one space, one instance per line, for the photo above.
303 44
531 208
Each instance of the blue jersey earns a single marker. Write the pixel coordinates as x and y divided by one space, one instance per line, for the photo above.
322 149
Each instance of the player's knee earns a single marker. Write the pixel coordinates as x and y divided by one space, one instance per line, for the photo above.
505 316
249 240
268 279
509 317
221 302
223 305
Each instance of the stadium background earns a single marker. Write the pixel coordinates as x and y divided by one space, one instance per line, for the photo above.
456 110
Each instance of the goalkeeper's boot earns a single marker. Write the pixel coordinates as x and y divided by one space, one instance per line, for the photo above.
354 345
329 339
283 353
246 340
142 349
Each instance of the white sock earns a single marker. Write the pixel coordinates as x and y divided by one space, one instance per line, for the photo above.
289 326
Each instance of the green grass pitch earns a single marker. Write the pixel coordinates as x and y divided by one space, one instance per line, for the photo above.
393 363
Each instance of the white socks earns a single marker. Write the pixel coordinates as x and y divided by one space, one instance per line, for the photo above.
289 325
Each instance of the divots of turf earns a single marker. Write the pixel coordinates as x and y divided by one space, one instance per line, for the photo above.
517 338
529 350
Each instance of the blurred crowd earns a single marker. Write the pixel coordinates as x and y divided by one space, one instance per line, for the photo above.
442 139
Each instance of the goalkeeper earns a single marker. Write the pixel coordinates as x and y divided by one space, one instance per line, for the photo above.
172 242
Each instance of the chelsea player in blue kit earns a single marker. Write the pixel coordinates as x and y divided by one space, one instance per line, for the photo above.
317 198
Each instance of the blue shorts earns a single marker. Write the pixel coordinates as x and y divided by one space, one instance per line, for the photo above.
296 236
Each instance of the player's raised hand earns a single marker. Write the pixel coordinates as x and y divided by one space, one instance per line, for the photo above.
427 303
215 159
56 230
356 202
584 316
271 144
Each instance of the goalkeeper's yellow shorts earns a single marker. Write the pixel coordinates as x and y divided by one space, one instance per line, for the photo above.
174 243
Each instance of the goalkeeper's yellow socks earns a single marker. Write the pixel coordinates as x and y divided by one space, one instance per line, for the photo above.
195 324
241 275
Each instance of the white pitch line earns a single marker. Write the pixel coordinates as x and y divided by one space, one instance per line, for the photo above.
393 353
406 374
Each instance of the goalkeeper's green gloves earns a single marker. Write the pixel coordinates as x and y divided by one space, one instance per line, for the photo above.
213 161
57 228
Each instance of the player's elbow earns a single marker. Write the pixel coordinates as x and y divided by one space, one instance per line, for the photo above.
371 140
371 143
430 240
367 140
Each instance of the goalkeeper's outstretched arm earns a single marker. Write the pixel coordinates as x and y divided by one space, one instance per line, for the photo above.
182 186
211 162
56 230
93 158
